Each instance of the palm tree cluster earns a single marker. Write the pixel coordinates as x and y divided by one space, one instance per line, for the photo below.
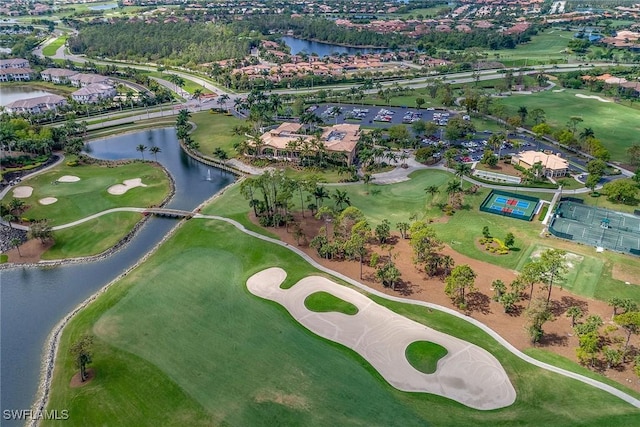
183 130
372 151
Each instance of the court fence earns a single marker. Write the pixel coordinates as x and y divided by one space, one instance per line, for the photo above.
485 208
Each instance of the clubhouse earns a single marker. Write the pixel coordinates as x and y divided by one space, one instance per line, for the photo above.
553 166
286 142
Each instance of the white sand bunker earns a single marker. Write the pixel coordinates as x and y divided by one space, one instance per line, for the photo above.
126 185
467 374
558 90
47 201
68 178
580 95
22 192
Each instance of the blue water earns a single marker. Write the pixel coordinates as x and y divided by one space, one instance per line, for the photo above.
323 49
32 301
104 6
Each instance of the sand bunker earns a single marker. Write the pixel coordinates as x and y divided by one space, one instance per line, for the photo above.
558 90
68 178
579 95
47 201
126 185
22 192
467 374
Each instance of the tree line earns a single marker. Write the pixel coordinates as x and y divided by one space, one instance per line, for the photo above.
175 43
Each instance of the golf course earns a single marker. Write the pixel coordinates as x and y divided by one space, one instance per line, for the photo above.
614 124
180 341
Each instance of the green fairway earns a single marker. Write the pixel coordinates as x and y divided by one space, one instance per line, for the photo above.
616 125
324 302
92 237
181 337
424 355
88 196
547 46
216 131
52 48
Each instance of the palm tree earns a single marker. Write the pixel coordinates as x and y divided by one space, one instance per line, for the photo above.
523 113
453 187
197 94
15 242
461 170
319 193
432 190
155 150
141 148
341 198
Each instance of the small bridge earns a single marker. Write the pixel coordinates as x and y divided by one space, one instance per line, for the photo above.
173 213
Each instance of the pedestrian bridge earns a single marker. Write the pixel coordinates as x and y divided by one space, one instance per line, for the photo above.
173 213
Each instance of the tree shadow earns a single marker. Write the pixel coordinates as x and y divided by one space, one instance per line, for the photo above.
477 301
516 311
558 307
553 338
404 288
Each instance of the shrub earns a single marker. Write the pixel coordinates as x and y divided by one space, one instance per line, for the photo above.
72 163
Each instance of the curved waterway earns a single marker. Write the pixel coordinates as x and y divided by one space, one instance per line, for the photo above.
33 300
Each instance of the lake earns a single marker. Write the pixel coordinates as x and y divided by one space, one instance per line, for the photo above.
324 49
8 94
104 6
35 299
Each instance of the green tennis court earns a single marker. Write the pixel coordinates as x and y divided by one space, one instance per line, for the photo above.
595 226
510 204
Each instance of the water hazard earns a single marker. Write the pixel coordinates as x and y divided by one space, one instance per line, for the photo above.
33 300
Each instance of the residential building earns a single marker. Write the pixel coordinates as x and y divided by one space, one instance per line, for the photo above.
93 93
83 79
36 105
57 75
286 142
553 165
15 74
13 63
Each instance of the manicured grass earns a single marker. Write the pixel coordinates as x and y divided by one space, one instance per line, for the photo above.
92 237
321 175
602 202
51 49
547 45
583 273
183 331
88 196
216 131
564 363
189 85
616 125
323 302
424 355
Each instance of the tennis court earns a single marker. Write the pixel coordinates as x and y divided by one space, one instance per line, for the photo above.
510 204
595 226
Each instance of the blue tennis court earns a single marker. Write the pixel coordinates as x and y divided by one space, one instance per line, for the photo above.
509 204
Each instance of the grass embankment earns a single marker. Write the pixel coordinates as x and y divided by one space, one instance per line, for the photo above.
616 125
187 352
216 131
323 302
53 47
424 355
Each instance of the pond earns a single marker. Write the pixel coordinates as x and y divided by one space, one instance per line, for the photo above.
324 49
104 6
9 94
34 300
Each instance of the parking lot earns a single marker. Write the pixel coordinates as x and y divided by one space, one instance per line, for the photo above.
382 116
